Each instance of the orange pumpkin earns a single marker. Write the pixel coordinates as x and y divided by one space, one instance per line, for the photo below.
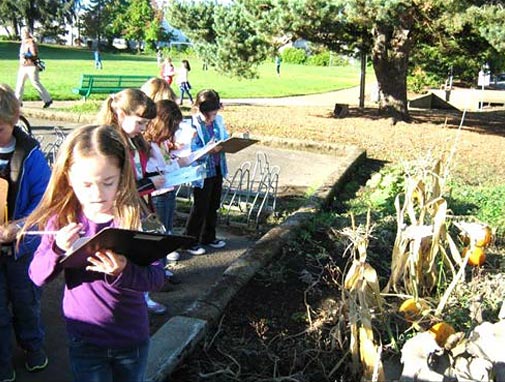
477 255
412 308
441 332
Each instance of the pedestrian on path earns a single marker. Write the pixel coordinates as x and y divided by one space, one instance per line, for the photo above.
24 170
92 187
129 111
202 220
28 55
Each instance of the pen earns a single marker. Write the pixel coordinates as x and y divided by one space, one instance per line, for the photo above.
41 233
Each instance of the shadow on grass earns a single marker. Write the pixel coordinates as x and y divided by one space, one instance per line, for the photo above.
488 122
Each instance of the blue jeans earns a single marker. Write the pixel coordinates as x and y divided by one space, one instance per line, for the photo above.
164 205
92 363
185 87
19 308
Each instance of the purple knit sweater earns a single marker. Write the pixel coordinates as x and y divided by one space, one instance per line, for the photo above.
99 309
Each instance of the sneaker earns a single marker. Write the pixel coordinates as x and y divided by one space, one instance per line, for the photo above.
196 250
174 280
153 306
173 256
217 243
36 360
8 375
47 104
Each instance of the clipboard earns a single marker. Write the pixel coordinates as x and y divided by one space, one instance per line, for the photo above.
4 190
141 248
235 144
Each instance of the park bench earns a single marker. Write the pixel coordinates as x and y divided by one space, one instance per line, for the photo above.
107 83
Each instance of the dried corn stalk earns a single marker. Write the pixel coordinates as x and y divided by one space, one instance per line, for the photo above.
362 297
421 228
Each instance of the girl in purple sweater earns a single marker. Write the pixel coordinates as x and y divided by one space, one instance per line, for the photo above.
92 187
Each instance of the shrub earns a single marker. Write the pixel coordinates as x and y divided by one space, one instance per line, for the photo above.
320 59
294 56
419 81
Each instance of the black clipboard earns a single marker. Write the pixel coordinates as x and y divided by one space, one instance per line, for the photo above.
141 248
235 144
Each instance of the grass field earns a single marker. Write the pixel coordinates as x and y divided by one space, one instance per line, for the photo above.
64 66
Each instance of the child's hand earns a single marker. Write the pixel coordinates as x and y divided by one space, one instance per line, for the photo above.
107 262
68 235
158 181
215 150
8 233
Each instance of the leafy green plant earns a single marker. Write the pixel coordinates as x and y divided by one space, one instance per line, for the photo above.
294 56
320 59
486 203
419 81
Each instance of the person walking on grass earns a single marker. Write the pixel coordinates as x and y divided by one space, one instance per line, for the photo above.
28 54
278 62
98 59
183 81
25 170
202 220
92 187
167 71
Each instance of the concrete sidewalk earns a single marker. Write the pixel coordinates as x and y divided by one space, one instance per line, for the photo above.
209 282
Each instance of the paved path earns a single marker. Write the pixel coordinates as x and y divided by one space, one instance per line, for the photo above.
298 170
349 96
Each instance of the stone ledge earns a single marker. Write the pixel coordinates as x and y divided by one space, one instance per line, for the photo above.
171 343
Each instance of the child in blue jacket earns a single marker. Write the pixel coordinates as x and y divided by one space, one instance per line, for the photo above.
23 165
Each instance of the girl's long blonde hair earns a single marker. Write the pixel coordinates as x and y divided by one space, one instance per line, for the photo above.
158 89
59 199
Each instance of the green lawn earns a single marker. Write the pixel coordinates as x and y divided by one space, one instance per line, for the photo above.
64 66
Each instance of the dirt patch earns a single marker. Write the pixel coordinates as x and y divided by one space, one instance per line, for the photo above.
480 141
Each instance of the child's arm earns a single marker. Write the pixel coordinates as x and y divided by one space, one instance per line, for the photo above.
136 277
45 264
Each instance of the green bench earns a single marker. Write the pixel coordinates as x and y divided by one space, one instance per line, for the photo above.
107 83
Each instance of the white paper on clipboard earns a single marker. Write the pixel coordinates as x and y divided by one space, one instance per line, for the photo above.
195 155
184 175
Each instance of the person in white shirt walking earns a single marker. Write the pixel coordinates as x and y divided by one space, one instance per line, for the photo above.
183 82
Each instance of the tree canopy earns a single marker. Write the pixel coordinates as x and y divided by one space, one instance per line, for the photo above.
235 37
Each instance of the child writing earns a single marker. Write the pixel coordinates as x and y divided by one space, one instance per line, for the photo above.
24 168
129 111
92 187
183 81
202 220
160 134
